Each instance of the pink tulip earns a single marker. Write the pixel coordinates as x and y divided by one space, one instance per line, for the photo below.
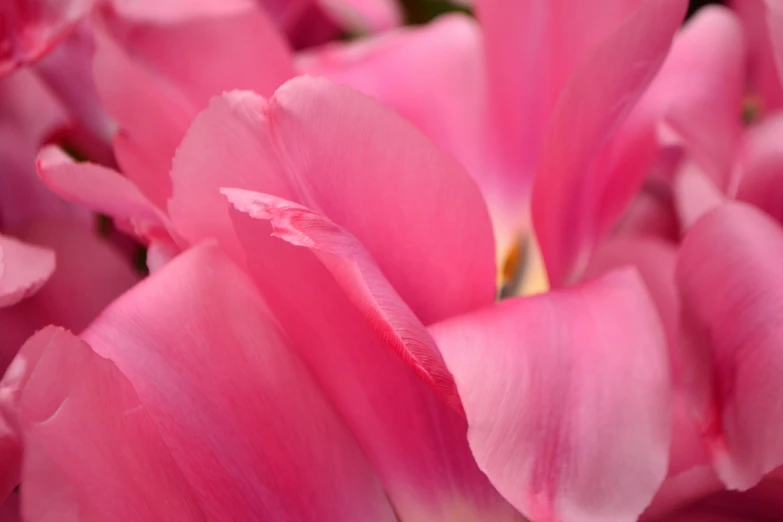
235 144
377 234
353 424
543 69
321 326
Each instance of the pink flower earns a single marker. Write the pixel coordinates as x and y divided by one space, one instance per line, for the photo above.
376 287
366 250
687 126
49 249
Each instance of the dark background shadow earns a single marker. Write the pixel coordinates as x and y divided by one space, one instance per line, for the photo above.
422 11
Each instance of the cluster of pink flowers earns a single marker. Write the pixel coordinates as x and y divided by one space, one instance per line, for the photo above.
522 266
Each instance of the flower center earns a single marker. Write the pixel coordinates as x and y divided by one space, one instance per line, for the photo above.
522 271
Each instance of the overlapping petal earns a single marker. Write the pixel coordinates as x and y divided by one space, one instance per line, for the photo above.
361 279
101 190
76 411
30 114
695 101
574 422
341 154
413 439
760 167
179 415
774 21
90 273
357 167
446 56
67 73
532 48
730 279
763 502
574 187
29 28
695 194
171 70
24 268
655 260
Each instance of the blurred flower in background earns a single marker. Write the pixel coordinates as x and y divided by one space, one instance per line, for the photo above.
523 265
51 250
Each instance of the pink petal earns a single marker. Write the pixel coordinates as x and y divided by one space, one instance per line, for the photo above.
696 98
775 29
173 11
570 193
332 150
143 145
24 269
91 448
567 396
403 68
90 274
30 107
652 211
67 72
102 190
655 261
532 49
702 85
9 509
446 58
682 491
760 166
239 413
171 70
361 279
730 280
364 15
650 214
31 114
10 461
763 502
413 439
30 28
327 148
695 194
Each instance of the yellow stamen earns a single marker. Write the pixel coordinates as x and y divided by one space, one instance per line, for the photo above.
522 270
